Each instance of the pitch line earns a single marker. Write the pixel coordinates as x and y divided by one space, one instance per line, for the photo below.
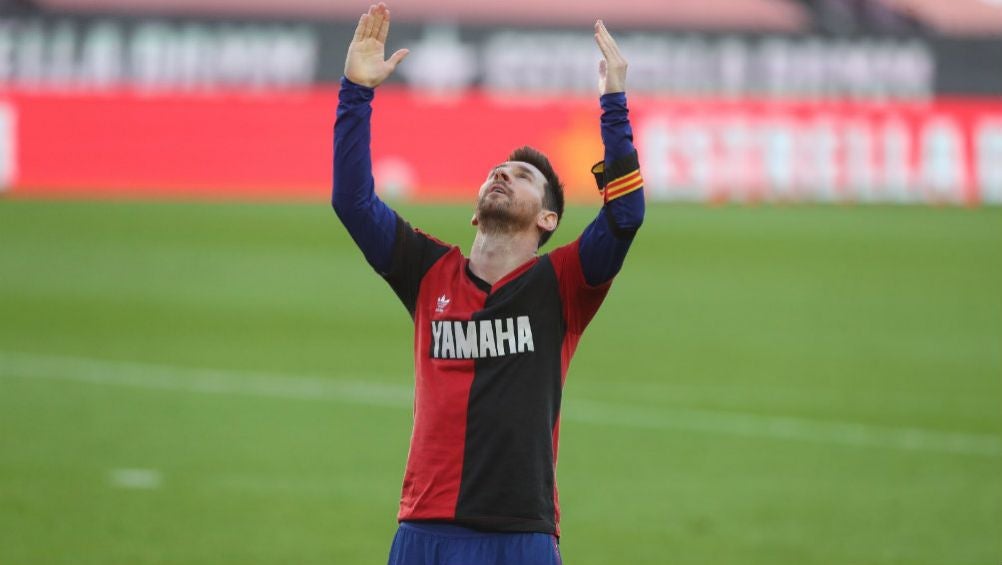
143 479
277 385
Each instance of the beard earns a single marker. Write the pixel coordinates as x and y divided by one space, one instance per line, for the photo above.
504 215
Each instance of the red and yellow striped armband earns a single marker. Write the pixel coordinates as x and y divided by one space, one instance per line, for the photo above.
624 185
620 178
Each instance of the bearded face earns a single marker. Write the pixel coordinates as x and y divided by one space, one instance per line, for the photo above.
510 199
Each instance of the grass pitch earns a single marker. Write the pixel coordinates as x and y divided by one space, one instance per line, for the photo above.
214 384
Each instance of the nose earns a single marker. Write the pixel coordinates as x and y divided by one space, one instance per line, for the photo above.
501 174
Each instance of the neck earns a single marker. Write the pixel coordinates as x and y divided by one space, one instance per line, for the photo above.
494 255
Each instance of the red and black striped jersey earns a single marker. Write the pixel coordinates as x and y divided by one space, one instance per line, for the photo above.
490 363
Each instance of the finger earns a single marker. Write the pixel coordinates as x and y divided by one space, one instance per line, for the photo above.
360 28
365 22
603 30
397 57
378 16
384 30
377 24
369 21
601 35
606 39
611 42
609 48
602 45
383 14
608 35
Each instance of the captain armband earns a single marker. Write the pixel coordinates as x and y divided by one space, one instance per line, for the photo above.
620 178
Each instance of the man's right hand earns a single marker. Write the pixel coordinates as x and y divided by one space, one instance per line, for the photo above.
365 64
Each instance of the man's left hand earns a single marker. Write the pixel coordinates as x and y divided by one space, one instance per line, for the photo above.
612 67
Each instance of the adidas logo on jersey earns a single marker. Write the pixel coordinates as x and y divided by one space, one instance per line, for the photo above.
481 339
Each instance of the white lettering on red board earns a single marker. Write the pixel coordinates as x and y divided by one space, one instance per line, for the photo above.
8 146
821 156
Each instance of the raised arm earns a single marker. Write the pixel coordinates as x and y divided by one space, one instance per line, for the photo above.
606 240
371 223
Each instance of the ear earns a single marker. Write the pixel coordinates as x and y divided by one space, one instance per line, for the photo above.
547 220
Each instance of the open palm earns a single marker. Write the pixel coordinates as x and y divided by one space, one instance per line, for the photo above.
366 63
612 67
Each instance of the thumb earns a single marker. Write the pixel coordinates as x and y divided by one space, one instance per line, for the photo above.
395 58
603 66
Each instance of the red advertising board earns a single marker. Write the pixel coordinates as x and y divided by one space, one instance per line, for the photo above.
278 145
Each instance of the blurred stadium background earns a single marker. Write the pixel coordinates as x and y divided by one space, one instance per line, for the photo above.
801 362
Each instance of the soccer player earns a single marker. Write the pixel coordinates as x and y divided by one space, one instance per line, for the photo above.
493 332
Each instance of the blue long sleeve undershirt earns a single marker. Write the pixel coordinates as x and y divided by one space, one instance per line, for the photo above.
372 224
602 249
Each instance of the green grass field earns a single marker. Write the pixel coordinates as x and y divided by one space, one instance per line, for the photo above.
229 384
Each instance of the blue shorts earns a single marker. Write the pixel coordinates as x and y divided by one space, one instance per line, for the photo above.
419 543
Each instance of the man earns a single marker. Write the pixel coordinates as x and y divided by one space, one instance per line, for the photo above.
495 332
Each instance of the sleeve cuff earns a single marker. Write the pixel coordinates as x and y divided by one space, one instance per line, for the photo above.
613 101
352 92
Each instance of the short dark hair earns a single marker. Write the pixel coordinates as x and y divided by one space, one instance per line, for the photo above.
553 190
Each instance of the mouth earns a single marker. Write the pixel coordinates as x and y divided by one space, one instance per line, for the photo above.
497 188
